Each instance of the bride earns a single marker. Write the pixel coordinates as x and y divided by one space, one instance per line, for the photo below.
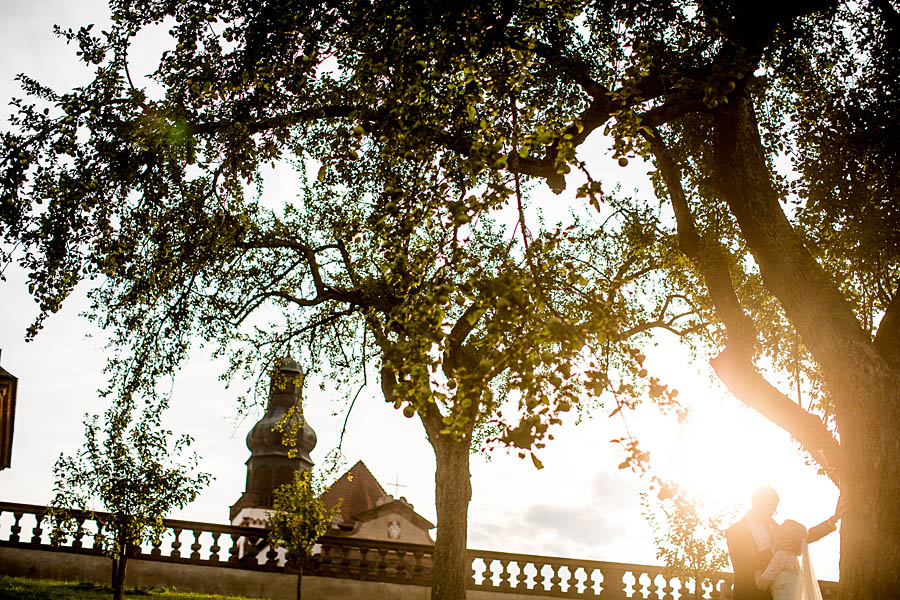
786 576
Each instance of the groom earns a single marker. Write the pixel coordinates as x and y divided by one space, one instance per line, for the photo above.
750 543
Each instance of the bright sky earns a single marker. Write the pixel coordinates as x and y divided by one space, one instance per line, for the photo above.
580 505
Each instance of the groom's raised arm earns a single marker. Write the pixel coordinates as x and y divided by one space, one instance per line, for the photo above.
821 530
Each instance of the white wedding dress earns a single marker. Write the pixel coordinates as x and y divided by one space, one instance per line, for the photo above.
792 579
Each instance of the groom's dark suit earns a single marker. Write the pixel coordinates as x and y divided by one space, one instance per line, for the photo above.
746 559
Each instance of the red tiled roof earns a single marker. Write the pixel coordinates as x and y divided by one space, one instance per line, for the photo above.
359 490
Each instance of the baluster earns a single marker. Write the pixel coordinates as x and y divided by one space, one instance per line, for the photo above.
382 561
79 532
504 574
214 549
555 581
698 591
97 542
157 546
235 548
572 582
317 564
418 567
36 531
652 588
270 558
195 547
668 589
366 566
15 529
403 567
522 577
539 577
714 593
134 550
475 571
337 558
638 586
253 550
343 560
176 543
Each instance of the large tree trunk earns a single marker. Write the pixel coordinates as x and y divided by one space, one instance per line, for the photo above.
870 531
453 490
864 386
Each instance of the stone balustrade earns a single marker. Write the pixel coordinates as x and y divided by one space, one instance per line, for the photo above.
188 542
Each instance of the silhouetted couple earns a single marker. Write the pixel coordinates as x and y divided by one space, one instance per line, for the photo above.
771 561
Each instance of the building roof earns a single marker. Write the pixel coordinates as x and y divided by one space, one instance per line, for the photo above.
358 489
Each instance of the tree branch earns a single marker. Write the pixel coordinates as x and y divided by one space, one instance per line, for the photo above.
604 103
672 110
707 256
620 278
662 323
575 68
274 122
809 297
429 413
734 365
348 264
742 379
466 323
324 292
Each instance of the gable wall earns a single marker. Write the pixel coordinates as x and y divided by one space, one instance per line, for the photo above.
377 529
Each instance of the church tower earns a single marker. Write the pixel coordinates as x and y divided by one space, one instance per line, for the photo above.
269 465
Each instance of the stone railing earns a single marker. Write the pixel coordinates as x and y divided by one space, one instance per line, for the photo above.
574 578
188 542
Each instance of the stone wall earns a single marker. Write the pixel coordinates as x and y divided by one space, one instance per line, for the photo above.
224 559
44 564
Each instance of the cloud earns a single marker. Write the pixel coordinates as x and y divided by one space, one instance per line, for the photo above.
584 525
615 490
601 520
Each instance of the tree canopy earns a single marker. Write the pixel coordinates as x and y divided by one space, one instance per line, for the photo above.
130 469
772 239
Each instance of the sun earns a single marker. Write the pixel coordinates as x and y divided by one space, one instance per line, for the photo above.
724 451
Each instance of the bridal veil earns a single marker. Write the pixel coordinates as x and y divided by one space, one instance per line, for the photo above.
809 588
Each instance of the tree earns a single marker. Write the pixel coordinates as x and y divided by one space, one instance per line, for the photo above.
425 124
484 330
130 471
299 519
690 544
